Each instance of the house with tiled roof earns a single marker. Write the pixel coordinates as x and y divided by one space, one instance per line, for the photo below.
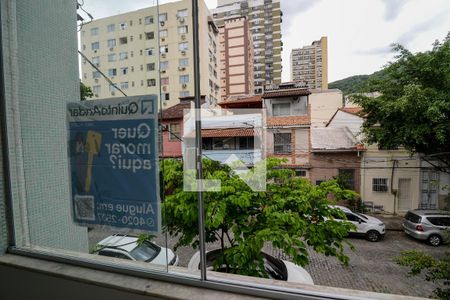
288 124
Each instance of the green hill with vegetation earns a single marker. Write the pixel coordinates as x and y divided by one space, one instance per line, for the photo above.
355 84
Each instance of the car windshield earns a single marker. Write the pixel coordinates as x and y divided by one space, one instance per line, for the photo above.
145 252
361 215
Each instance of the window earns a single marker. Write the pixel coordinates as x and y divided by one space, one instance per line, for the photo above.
379 185
164 65
182 13
246 143
112 72
96 89
174 131
95 45
124 70
182 29
123 26
96 60
151 82
281 109
351 217
112 57
163 49
148 20
150 66
318 182
300 173
150 35
124 85
163 17
184 62
439 221
111 43
112 88
123 55
96 74
165 96
184 94
94 31
164 80
184 79
163 33
123 40
111 27
149 51
183 46
281 143
347 177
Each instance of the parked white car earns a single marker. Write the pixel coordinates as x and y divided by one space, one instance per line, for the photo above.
372 228
276 268
126 247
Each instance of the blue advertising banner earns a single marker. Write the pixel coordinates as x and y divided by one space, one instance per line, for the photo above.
114 163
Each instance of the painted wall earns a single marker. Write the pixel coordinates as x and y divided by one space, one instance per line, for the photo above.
324 104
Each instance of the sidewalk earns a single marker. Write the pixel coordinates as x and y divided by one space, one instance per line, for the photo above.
392 222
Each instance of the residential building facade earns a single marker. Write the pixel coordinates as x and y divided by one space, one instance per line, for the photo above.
310 64
150 51
236 58
324 104
264 17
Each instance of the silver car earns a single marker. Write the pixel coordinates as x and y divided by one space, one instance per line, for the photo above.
428 225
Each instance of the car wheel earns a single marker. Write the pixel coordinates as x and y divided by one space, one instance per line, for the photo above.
435 240
373 236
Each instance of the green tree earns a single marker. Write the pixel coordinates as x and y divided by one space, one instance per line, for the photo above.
289 215
436 270
413 110
85 92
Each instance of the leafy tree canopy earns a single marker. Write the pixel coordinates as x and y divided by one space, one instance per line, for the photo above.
413 110
85 92
289 215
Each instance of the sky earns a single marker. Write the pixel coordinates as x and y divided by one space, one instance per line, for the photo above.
359 32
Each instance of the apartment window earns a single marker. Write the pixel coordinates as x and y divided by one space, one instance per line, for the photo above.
111 27
123 40
150 66
246 143
184 79
165 96
96 60
182 29
281 109
96 90
347 177
282 143
96 74
300 173
95 45
124 85
124 70
182 13
164 49
123 26
112 57
150 35
148 20
183 46
149 51
112 72
164 65
379 184
184 62
94 31
123 55
111 43
163 17
174 131
184 94
164 80
163 33
151 82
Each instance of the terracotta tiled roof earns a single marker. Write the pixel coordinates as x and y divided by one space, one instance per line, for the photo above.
176 111
285 93
227 132
352 110
242 99
288 121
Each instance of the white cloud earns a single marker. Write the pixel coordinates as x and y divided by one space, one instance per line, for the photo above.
393 8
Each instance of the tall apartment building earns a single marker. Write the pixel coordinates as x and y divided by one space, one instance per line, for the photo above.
150 51
264 18
236 58
310 64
